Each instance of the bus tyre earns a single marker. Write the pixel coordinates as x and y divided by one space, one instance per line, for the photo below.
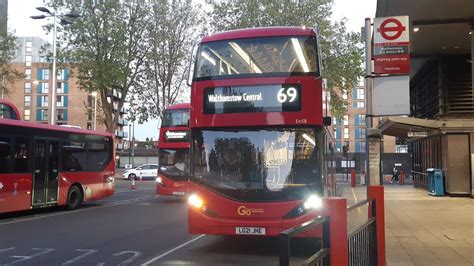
132 177
74 198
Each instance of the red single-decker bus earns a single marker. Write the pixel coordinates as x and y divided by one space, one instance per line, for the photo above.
173 145
48 165
257 132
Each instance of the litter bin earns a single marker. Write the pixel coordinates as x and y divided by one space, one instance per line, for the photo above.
435 182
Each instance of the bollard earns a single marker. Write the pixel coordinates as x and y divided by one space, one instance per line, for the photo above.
402 178
133 187
353 180
336 209
377 193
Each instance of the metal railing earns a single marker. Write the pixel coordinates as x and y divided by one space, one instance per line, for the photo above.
321 257
362 243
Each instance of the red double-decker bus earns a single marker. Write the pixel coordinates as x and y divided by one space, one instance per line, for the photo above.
48 165
173 145
257 132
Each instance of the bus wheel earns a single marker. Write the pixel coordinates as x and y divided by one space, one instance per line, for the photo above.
74 198
132 177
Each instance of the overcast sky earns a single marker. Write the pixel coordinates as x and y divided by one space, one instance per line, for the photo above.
19 21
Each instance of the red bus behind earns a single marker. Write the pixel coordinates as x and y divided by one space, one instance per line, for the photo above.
173 144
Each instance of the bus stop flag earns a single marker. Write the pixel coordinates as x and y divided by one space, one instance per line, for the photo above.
391 45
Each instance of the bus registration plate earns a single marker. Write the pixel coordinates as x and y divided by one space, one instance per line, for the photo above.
178 193
250 231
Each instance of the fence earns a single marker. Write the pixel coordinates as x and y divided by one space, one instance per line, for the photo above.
365 246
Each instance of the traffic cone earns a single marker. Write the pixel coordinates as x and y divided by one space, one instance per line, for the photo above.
133 187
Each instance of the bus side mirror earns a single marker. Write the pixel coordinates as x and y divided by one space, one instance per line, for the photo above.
327 120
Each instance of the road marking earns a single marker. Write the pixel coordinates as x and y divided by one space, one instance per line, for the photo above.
111 204
7 249
136 254
172 250
25 258
87 252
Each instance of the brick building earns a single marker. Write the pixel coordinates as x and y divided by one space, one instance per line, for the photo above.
74 106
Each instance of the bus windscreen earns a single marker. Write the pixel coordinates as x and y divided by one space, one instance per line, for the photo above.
264 56
259 165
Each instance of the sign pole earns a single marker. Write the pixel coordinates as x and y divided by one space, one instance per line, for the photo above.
368 88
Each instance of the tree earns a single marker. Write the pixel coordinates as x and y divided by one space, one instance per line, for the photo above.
172 33
8 74
107 46
341 52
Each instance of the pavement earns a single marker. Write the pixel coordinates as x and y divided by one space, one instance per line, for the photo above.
425 230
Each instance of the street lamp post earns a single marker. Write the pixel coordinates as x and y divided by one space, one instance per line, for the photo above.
94 94
53 87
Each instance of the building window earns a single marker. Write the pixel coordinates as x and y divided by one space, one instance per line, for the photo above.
27 74
358 94
27 87
28 59
28 46
360 132
61 101
358 104
346 133
335 133
27 101
360 146
338 146
42 115
45 74
26 114
61 114
401 149
43 101
346 120
359 120
45 87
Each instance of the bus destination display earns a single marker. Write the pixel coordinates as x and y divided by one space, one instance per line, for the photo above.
249 99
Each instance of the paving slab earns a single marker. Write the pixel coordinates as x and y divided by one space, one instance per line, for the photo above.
422 229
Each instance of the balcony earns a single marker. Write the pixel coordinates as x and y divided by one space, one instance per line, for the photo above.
122 122
121 134
124 110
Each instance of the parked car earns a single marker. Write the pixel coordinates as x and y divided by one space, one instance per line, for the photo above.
146 171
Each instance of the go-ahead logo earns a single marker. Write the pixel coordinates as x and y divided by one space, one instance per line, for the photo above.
244 211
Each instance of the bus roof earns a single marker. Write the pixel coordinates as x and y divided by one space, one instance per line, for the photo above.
178 106
10 104
259 32
33 125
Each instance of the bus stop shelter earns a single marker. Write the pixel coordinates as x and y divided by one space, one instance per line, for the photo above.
440 128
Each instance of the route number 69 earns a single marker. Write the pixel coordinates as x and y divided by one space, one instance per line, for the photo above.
287 96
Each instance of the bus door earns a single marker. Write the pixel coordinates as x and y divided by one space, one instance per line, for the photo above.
46 172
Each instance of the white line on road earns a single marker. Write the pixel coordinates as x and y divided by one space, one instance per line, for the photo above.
122 202
172 250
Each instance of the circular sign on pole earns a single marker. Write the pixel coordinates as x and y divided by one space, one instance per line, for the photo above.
390 32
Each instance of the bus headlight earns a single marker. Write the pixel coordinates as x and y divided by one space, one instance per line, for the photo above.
111 179
195 201
159 180
313 202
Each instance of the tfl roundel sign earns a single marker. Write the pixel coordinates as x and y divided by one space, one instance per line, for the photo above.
392 45
391 29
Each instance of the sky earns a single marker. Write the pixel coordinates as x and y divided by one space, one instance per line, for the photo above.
19 21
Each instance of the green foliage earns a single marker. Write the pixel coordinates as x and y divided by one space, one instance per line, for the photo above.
172 32
8 74
107 45
342 54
